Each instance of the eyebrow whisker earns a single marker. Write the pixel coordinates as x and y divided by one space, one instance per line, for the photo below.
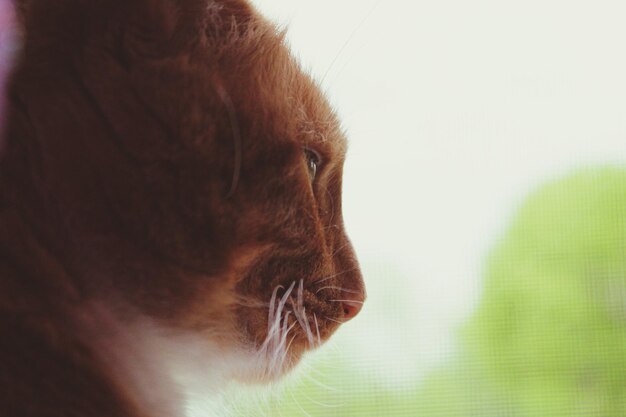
347 301
335 275
332 287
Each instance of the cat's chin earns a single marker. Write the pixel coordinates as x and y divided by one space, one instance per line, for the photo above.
294 358
266 373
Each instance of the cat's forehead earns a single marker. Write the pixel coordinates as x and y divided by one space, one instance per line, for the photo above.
314 126
322 133
277 95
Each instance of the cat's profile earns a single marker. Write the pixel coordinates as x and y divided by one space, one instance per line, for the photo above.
170 208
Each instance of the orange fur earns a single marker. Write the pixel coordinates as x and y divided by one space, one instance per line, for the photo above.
155 165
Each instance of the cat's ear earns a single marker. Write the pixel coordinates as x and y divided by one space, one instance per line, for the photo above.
226 19
162 26
237 11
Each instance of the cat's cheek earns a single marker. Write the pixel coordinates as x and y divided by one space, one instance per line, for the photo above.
263 361
216 299
260 370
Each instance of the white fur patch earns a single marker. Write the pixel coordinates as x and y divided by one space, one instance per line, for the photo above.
160 370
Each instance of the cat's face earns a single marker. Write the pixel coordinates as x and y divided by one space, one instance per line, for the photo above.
204 182
296 275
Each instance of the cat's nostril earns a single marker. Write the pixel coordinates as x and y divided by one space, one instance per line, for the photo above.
351 309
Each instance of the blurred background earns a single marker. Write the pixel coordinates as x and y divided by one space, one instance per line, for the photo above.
485 194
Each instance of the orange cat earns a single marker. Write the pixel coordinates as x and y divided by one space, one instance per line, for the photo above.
170 208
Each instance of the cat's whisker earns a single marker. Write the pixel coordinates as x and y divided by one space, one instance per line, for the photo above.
273 320
286 352
281 323
299 406
273 302
309 333
319 281
339 249
273 347
283 301
320 403
283 352
324 279
270 339
280 351
290 343
285 330
347 301
320 384
347 42
340 70
317 330
300 314
301 295
334 320
332 287
310 368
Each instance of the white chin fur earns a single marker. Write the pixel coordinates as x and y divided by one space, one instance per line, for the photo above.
161 369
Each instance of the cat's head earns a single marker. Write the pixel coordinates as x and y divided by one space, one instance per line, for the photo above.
189 167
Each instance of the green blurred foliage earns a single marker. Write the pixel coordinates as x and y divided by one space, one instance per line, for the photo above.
548 337
551 325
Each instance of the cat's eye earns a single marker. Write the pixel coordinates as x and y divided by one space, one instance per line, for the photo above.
313 161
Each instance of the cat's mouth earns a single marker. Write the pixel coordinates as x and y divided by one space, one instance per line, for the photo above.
297 314
296 319
281 318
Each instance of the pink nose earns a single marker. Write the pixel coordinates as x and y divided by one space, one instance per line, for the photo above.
351 309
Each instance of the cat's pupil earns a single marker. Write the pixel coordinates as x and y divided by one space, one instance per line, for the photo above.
313 161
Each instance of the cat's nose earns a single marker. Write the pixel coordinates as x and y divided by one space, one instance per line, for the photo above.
351 308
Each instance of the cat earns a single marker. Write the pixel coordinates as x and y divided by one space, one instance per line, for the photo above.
170 208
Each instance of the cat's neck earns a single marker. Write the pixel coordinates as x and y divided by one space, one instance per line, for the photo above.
159 368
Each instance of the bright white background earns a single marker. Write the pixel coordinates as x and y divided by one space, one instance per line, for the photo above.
455 110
